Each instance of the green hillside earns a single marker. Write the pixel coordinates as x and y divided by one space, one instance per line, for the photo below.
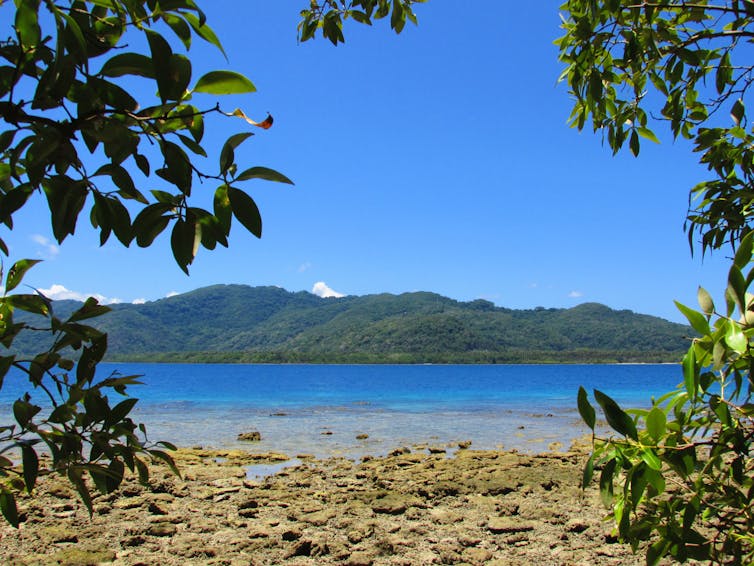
252 324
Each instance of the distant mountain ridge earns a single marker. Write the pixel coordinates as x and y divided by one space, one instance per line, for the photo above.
240 323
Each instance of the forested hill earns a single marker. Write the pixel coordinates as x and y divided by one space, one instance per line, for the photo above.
242 323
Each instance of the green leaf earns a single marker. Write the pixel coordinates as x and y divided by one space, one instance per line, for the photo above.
29 303
246 211
588 473
128 64
738 111
724 73
65 198
697 320
227 154
168 459
616 417
263 173
606 482
8 507
31 465
204 31
143 471
691 373
222 208
736 339
633 143
651 459
656 551
149 223
744 252
17 271
27 24
586 410
648 134
75 477
656 422
184 241
161 59
192 145
224 82
177 168
90 309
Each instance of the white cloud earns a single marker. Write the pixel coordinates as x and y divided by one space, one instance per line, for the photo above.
49 250
59 292
322 290
575 294
139 301
172 294
304 267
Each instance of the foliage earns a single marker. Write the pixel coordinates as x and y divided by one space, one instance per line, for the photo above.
83 433
77 128
71 128
685 464
242 323
683 468
327 16
687 64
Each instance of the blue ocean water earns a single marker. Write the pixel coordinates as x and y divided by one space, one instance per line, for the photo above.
320 409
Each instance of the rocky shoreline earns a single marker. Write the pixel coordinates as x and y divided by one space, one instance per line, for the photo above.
414 506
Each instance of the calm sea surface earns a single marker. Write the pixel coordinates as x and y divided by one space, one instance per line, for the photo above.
320 409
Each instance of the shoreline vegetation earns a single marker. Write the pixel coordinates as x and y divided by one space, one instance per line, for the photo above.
417 505
511 357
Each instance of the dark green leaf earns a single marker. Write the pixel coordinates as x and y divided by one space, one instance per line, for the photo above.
167 458
8 507
227 154
90 309
585 408
177 168
588 473
128 64
31 465
29 303
616 417
606 482
184 242
75 477
263 173
246 211
737 112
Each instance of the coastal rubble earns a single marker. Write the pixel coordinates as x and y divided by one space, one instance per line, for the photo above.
472 507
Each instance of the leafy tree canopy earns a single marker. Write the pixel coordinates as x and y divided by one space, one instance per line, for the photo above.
74 127
633 65
683 468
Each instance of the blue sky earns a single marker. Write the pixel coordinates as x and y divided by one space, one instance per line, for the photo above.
437 160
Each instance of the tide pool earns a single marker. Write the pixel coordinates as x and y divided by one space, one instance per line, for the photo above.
321 409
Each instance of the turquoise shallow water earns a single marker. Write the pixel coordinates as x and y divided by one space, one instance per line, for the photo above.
320 409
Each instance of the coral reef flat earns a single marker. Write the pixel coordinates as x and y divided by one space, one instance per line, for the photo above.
420 505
